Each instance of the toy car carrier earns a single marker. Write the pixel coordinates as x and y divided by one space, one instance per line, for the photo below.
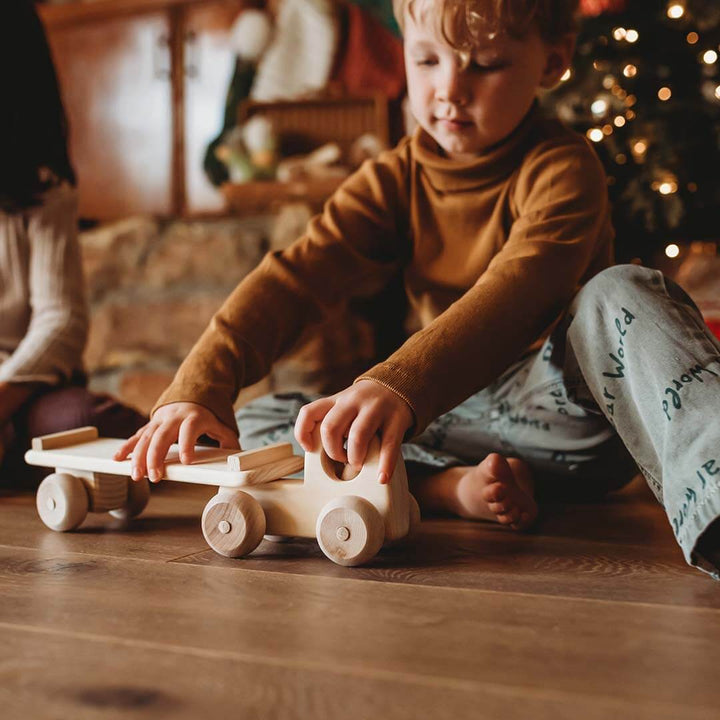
351 517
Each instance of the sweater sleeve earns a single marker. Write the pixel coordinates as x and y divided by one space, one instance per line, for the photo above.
351 249
562 224
53 344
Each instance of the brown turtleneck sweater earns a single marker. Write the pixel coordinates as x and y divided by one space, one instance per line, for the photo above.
492 251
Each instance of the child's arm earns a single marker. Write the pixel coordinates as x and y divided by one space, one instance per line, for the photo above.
53 343
357 414
561 235
351 250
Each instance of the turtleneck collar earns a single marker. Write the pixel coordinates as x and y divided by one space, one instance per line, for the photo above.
489 167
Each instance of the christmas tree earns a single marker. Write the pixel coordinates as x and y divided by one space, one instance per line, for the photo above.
645 88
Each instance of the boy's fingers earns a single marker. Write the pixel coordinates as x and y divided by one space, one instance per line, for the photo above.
225 436
138 467
127 447
308 417
389 452
158 448
333 431
359 436
188 434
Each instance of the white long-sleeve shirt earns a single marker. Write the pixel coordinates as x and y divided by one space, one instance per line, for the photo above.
43 314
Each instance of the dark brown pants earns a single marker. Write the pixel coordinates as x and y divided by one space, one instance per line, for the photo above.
55 410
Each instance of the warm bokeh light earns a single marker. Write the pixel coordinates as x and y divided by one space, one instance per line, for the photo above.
672 250
664 93
619 33
667 186
595 134
692 38
709 57
630 71
566 75
632 36
675 10
599 107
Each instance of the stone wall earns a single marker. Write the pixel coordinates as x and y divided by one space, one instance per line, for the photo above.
152 288
154 285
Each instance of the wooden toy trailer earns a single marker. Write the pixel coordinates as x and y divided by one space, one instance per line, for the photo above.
351 517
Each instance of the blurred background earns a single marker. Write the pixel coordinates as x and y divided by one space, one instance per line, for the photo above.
204 132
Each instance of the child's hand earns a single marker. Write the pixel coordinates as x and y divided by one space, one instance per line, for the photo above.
183 422
357 414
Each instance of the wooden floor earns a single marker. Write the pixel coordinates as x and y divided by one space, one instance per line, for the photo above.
594 616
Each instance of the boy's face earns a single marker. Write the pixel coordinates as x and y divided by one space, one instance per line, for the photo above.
467 111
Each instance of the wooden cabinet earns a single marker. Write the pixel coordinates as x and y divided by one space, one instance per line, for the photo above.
144 84
115 77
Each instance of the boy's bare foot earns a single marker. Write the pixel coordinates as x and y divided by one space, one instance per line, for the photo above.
498 489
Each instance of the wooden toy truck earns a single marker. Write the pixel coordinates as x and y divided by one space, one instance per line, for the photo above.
351 517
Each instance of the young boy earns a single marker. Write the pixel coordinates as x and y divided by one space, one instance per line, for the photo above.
530 355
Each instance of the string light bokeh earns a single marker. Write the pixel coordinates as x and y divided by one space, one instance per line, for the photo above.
644 89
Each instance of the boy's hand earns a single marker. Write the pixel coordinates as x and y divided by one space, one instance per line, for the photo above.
183 422
357 414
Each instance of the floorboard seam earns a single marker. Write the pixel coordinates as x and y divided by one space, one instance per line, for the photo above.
104 555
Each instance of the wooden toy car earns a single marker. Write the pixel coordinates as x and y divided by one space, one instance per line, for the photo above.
351 517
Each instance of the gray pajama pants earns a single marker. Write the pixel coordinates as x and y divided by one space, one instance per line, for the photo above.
627 380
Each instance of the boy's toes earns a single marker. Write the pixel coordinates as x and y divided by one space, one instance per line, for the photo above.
509 516
494 493
490 491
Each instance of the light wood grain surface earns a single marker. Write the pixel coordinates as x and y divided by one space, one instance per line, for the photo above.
593 616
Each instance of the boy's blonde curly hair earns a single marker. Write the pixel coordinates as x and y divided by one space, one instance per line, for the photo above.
463 22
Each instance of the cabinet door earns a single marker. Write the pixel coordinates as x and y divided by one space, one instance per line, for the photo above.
115 78
209 64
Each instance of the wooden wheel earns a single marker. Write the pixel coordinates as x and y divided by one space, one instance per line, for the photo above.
137 500
350 530
62 501
233 524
